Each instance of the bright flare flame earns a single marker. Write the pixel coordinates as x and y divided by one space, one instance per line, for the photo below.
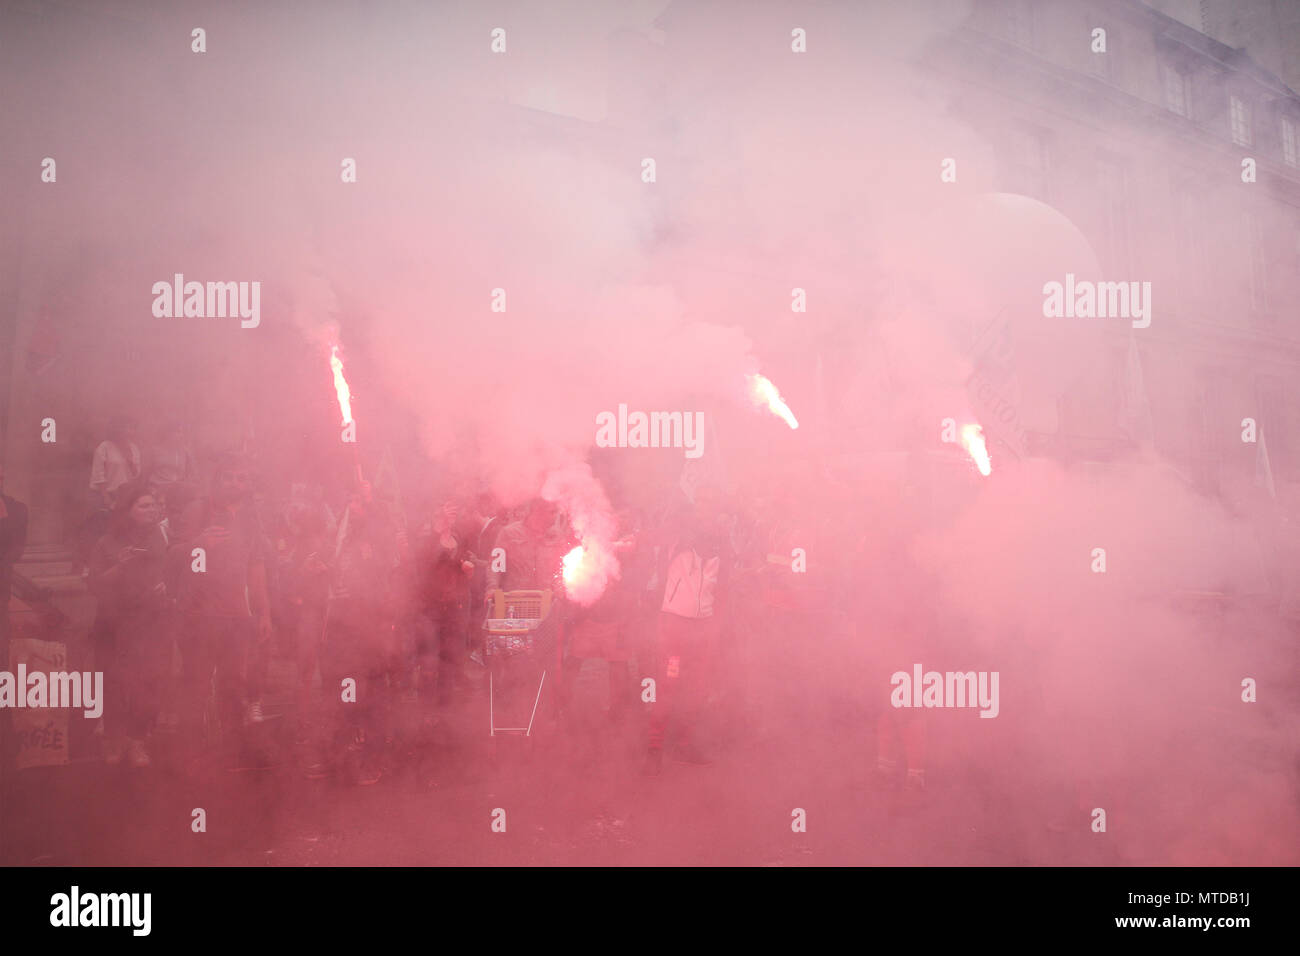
764 393
972 439
341 385
587 570
573 566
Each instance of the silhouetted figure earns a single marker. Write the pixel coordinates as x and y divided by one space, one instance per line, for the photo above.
115 462
224 618
443 566
130 634
605 630
359 643
698 564
169 459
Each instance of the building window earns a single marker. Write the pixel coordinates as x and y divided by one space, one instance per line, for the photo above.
1239 111
1288 141
1178 91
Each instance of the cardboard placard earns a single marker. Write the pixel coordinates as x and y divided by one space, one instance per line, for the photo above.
42 733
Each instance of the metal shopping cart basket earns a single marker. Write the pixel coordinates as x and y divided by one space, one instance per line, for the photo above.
521 646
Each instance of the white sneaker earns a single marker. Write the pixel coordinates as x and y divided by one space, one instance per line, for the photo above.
253 713
136 755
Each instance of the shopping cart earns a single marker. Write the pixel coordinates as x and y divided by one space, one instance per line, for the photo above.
520 646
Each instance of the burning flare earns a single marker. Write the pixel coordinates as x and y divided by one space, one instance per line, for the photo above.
573 566
341 385
764 393
587 570
972 439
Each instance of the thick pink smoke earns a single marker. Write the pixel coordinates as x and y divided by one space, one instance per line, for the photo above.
582 498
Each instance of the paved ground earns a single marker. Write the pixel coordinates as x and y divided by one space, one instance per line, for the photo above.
578 797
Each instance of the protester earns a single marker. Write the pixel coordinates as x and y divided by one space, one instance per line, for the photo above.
444 567
223 600
903 630
169 459
606 630
485 526
696 572
130 636
795 618
116 461
303 548
172 506
534 549
359 643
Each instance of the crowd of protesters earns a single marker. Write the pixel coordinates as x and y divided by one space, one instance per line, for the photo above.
203 582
